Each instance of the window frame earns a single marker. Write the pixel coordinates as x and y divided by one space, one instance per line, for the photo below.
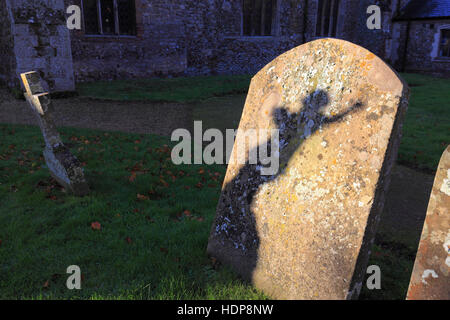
275 23
333 15
441 34
116 22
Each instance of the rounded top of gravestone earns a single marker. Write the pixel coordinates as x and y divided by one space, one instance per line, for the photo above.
331 55
336 69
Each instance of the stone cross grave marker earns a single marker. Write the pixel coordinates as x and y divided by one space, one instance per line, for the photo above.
63 165
430 279
306 232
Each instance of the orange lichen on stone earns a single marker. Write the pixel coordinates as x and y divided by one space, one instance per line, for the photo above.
370 56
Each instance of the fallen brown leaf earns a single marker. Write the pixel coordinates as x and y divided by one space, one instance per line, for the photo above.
132 177
142 197
187 213
165 250
96 225
199 185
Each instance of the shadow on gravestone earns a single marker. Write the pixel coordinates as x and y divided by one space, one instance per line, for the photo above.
306 232
246 236
62 164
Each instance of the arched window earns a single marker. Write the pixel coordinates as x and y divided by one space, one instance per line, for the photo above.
327 17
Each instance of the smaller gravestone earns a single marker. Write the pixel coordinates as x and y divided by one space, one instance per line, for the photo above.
430 279
63 165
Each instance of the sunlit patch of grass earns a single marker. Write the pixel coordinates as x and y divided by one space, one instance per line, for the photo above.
426 131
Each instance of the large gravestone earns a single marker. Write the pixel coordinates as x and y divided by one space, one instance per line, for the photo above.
63 165
306 232
430 279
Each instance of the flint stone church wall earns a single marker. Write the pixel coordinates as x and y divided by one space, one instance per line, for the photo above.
186 37
192 37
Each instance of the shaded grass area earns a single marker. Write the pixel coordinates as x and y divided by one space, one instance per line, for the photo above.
155 220
395 258
399 231
166 90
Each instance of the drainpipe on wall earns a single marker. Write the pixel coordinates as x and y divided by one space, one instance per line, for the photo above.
12 79
405 50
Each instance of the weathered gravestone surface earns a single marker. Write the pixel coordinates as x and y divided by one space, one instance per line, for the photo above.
306 232
430 279
63 165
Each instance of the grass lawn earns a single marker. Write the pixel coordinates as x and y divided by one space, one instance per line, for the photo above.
155 217
172 89
155 220
426 131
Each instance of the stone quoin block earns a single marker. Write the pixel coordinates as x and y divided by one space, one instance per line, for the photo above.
306 232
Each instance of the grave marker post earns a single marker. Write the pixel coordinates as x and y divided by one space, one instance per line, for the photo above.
63 165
